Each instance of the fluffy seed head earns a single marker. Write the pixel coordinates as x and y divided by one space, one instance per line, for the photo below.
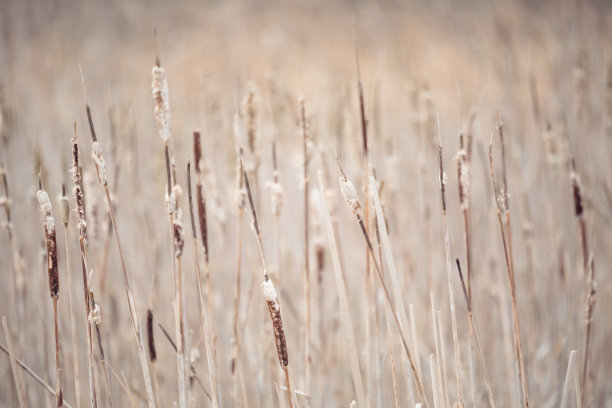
464 180
96 154
159 87
350 196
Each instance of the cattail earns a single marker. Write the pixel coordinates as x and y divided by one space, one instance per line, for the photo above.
277 322
49 225
350 196
577 192
464 179
177 225
50 238
250 112
159 87
96 154
150 338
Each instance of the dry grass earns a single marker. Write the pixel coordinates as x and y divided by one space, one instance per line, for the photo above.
367 293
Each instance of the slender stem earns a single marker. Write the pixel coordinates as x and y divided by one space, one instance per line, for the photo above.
32 374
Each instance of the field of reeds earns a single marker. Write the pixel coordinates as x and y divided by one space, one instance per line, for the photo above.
305 204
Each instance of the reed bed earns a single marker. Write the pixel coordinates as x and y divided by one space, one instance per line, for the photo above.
304 141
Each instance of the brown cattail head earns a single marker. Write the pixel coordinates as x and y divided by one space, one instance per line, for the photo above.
151 340
277 321
197 151
78 188
49 226
464 179
577 191
203 221
159 87
200 196
250 113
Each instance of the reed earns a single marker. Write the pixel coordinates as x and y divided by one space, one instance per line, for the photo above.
98 157
64 206
207 333
270 295
475 333
79 199
503 211
451 293
54 285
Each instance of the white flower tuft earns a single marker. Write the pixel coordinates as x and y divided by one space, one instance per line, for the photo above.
95 317
268 290
96 154
350 196
159 87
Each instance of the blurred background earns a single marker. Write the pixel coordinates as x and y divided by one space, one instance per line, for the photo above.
544 67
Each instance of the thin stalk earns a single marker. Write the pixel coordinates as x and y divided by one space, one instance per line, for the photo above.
270 294
137 327
590 306
207 336
343 298
307 352
451 293
16 377
441 385
501 208
475 333
65 211
568 377
79 198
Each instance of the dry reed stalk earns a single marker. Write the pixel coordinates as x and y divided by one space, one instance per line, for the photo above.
16 375
441 385
240 205
434 384
95 318
305 160
125 388
443 350
392 358
270 294
369 279
502 202
207 334
53 272
475 333
18 277
64 205
380 220
203 223
415 342
79 199
590 306
173 208
343 298
98 157
571 373
27 369
451 293
173 345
